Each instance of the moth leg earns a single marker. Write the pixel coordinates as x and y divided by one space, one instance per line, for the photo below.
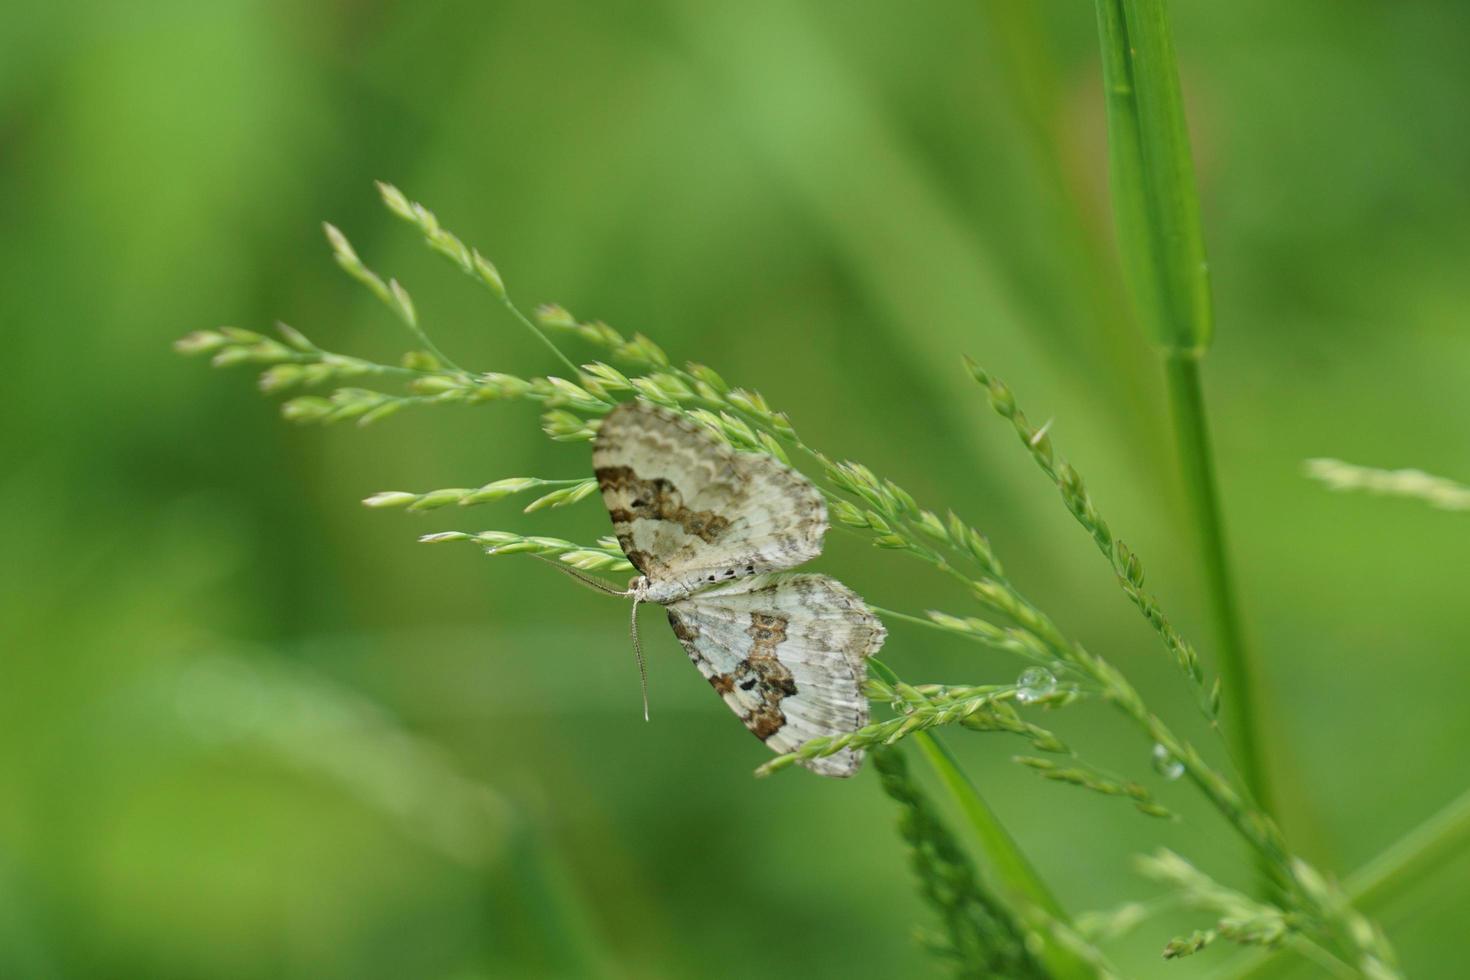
591 581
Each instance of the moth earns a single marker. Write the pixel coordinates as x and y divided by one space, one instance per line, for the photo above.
710 531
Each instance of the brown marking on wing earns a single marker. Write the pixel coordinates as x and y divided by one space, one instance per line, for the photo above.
684 631
766 633
765 676
658 499
766 721
687 634
639 559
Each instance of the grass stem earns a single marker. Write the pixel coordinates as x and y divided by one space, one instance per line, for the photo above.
1237 666
574 372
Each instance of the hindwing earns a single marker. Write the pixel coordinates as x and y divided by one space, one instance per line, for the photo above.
788 654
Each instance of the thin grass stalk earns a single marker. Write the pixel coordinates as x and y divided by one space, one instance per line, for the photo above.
1157 214
1238 669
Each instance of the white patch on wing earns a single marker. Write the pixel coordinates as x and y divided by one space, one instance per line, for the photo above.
788 655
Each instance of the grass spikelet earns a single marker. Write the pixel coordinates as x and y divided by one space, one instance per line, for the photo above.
1241 919
1125 564
566 492
596 558
1437 491
1077 773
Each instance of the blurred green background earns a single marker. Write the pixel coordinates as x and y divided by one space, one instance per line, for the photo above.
250 729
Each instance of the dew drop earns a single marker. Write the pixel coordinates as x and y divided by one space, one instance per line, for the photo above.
1034 684
1164 761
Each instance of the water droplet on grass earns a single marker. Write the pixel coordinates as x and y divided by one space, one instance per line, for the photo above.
1034 684
1167 766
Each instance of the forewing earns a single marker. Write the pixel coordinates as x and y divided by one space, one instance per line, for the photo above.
689 511
788 655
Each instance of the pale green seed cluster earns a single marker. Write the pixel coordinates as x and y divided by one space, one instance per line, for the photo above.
1125 563
299 363
930 705
1009 639
985 712
1437 491
567 492
1114 923
638 349
470 261
605 556
741 417
1241 919
1088 778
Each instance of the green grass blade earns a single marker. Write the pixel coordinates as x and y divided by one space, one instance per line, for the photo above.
1010 863
982 935
1013 870
1125 165
1415 856
1155 203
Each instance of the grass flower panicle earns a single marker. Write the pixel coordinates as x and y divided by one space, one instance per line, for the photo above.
1308 910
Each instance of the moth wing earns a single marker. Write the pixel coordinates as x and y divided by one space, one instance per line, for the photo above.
788 654
689 511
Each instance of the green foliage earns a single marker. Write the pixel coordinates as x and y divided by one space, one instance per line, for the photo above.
980 938
830 202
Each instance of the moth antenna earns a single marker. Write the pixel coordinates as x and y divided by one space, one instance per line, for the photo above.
591 581
638 653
